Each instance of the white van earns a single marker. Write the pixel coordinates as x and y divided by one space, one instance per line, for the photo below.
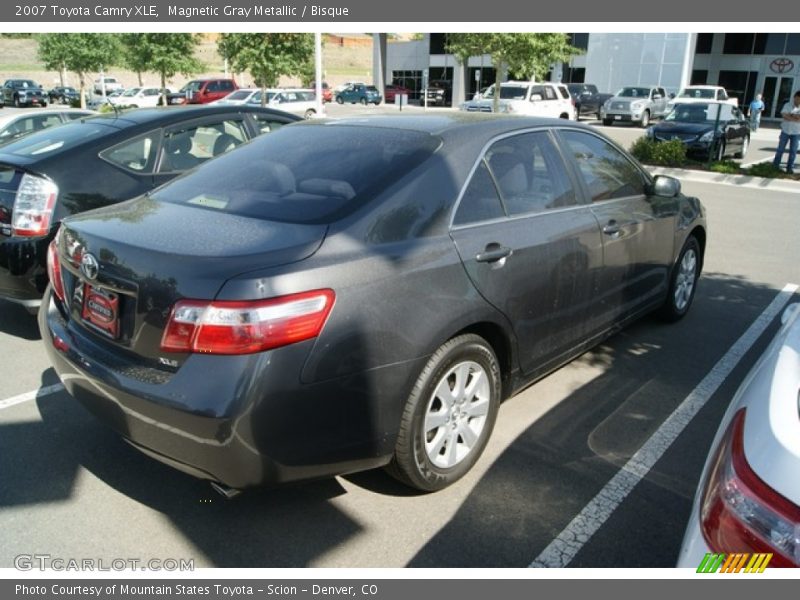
529 98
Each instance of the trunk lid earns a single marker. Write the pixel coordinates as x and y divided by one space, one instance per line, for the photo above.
149 254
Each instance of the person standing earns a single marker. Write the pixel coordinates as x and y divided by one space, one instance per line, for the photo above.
790 133
756 108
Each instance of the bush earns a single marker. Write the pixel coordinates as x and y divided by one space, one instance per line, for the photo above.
669 154
642 149
664 154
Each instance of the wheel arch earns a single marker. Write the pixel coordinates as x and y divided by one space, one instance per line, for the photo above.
503 346
699 234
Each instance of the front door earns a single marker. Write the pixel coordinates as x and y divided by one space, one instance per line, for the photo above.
530 246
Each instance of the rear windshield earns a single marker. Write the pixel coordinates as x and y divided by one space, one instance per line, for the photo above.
56 139
304 173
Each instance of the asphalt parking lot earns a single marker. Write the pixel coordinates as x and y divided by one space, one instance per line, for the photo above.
71 488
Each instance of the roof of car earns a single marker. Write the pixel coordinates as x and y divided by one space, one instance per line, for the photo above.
165 114
452 123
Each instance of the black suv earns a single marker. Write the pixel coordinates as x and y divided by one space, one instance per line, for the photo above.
23 92
103 160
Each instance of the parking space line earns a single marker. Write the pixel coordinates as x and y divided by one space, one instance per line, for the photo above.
755 162
27 396
561 551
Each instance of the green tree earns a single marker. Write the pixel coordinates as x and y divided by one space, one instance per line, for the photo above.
81 53
268 56
525 55
164 53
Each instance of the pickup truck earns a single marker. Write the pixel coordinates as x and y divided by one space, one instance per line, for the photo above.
588 100
635 104
702 93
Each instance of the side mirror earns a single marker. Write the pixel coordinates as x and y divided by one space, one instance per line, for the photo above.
666 186
536 97
672 95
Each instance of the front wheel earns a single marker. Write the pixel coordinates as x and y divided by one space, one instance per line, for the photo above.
339 100
745 146
683 282
608 122
16 101
720 152
645 118
363 102
449 415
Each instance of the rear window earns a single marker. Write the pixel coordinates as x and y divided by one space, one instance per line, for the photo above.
303 174
63 137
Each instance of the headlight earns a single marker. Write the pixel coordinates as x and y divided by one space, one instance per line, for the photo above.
636 105
708 136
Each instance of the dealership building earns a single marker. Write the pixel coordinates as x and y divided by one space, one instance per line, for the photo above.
743 63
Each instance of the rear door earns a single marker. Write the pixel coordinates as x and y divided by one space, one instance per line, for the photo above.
530 245
638 230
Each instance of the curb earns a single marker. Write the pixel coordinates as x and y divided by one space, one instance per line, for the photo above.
759 183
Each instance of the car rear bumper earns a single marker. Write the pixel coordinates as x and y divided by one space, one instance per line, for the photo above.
23 269
240 421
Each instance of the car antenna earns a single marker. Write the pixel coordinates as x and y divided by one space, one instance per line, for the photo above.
114 106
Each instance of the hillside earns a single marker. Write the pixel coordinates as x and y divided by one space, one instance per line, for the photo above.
340 63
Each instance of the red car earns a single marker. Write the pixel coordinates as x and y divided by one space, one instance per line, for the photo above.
327 94
203 91
391 90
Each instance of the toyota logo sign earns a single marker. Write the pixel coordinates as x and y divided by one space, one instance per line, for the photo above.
781 65
89 266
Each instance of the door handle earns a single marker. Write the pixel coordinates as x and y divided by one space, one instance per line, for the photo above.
493 253
612 228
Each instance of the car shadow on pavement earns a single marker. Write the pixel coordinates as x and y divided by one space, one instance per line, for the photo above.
17 321
545 477
44 461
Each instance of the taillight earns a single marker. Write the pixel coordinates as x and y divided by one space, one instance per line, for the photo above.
741 513
225 327
54 270
33 206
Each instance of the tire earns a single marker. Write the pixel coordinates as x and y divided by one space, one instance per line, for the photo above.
683 282
309 114
645 119
16 101
363 101
339 100
608 122
442 436
564 116
745 146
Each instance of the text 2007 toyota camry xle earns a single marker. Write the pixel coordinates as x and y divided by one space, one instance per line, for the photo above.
339 296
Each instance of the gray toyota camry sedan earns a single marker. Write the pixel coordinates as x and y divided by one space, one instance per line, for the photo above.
345 295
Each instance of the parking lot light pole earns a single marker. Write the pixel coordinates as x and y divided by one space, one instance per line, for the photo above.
318 74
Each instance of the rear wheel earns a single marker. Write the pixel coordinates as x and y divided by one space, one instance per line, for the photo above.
449 415
683 282
309 114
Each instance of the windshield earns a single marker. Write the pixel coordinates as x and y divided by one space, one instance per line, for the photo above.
240 95
27 83
131 92
256 98
508 92
303 174
58 138
700 113
697 93
634 92
192 86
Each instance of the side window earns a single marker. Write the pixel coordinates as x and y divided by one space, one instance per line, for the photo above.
564 92
70 116
480 201
266 123
538 91
530 174
138 154
227 86
608 174
549 93
213 86
188 148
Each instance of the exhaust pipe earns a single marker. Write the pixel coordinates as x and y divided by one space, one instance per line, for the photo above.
227 492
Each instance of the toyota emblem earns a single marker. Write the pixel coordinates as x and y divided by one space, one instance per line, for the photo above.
781 65
89 266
